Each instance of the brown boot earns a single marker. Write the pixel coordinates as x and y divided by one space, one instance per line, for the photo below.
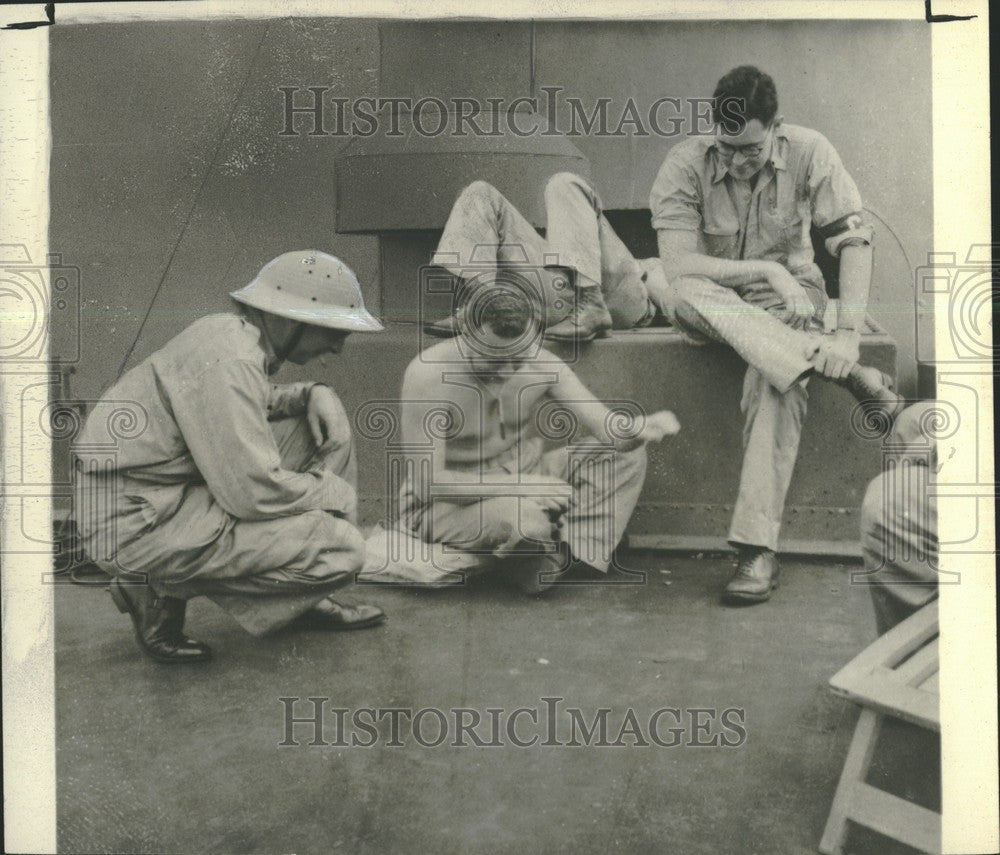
873 390
589 319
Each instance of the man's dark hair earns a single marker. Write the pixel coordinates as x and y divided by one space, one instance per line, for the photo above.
507 311
745 93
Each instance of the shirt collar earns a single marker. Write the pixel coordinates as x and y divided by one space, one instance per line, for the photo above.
253 317
777 159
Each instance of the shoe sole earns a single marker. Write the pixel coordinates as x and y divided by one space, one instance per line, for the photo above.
736 597
745 599
320 626
361 624
570 338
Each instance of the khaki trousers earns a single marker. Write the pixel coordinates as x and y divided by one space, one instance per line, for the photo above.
605 489
485 232
774 388
263 572
899 543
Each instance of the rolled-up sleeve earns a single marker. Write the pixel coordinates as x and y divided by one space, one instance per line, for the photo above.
222 417
675 200
837 209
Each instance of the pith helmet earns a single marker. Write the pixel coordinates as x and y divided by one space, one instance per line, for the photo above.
310 287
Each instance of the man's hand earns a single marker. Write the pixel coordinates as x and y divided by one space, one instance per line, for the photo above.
655 428
327 420
799 309
659 425
838 353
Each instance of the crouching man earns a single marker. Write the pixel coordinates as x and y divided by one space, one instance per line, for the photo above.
479 410
238 489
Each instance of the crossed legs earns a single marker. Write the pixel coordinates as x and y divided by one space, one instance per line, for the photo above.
583 272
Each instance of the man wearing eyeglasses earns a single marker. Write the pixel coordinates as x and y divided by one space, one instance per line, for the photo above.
733 212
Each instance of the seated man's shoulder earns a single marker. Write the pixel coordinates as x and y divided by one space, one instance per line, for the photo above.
689 151
804 139
427 366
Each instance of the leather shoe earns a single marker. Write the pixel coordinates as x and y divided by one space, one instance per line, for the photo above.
535 574
873 390
756 576
589 319
329 614
158 623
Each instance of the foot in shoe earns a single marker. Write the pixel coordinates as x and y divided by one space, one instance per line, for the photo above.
756 576
589 319
158 623
342 615
534 574
873 391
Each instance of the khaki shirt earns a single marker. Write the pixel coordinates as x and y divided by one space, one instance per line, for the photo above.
196 412
804 183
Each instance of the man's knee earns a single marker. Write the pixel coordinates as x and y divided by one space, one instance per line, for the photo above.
480 189
509 519
336 453
568 183
340 545
632 464
567 180
297 445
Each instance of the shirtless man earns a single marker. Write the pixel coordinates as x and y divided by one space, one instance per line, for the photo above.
492 487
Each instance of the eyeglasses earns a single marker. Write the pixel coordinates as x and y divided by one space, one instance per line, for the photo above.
748 151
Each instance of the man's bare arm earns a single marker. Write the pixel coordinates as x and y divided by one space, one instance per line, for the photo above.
855 286
594 415
679 255
841 351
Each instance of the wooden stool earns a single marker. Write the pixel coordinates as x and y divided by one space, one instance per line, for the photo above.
896 676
